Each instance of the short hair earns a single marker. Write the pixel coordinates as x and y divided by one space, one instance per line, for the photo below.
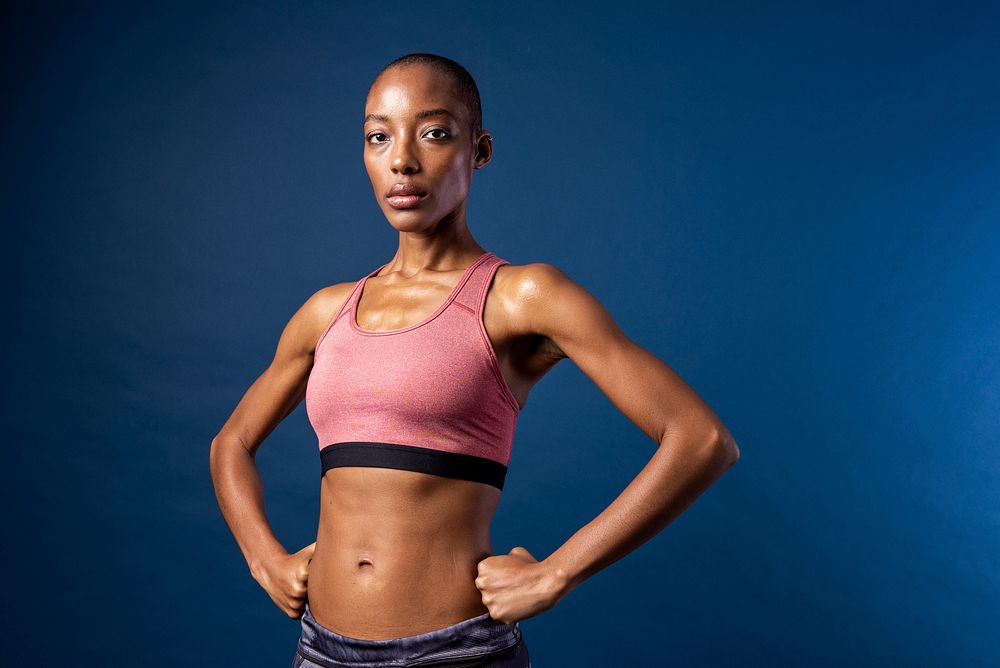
465 85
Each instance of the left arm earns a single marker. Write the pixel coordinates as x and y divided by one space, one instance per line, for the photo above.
694 448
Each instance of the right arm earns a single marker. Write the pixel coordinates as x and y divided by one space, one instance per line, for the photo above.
238 487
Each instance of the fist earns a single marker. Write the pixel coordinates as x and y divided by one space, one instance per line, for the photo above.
516 586
285 579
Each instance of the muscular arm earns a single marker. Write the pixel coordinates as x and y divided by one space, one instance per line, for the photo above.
694 447
268 401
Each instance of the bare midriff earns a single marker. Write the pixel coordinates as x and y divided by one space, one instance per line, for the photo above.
397 551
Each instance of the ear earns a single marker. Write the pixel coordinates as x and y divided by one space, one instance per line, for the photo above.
484 150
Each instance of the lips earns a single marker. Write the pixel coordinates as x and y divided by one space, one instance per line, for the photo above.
405 196
405 189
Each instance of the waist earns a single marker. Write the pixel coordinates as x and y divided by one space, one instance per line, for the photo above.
467 642
397 551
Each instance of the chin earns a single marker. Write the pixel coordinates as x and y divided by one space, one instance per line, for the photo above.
407 221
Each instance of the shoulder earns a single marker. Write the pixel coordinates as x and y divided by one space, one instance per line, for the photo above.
328 299
530 281
544 300
303 330
326 302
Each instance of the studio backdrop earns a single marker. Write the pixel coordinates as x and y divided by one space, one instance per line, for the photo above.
795 206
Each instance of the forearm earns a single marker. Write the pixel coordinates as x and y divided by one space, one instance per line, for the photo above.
677 474
240 493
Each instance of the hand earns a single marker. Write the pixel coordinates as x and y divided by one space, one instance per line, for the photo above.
285 577
516 586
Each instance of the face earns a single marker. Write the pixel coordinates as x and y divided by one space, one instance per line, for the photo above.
417 134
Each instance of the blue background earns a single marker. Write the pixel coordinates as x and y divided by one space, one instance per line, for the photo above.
797 207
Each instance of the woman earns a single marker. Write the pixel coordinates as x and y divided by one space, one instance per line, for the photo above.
413 378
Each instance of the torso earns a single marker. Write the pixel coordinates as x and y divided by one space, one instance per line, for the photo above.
397 551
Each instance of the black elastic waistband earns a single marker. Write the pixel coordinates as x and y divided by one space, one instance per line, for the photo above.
413 458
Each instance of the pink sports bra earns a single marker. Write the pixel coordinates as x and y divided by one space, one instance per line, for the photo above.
429 397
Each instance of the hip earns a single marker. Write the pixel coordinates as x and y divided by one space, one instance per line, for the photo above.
478 641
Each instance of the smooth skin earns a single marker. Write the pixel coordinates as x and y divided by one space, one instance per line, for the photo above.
399 552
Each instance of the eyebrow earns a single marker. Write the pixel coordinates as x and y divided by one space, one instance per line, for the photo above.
440 111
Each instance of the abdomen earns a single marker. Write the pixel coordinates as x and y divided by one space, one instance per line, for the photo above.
397 551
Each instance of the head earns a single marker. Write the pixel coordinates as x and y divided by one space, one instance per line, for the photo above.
423 128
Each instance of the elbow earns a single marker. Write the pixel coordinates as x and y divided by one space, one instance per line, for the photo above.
214 457
720 447
728 450
220 454
712 444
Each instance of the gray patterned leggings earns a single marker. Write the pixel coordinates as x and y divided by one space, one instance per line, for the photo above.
477 642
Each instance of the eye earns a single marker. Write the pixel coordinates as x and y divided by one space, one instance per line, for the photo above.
445 132
373 135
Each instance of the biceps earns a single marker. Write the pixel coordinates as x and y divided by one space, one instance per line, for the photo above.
641 385
269 400
631 378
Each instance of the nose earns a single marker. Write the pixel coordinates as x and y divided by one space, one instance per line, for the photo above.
403 159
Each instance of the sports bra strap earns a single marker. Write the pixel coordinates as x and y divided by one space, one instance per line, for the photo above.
348 304
473 293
